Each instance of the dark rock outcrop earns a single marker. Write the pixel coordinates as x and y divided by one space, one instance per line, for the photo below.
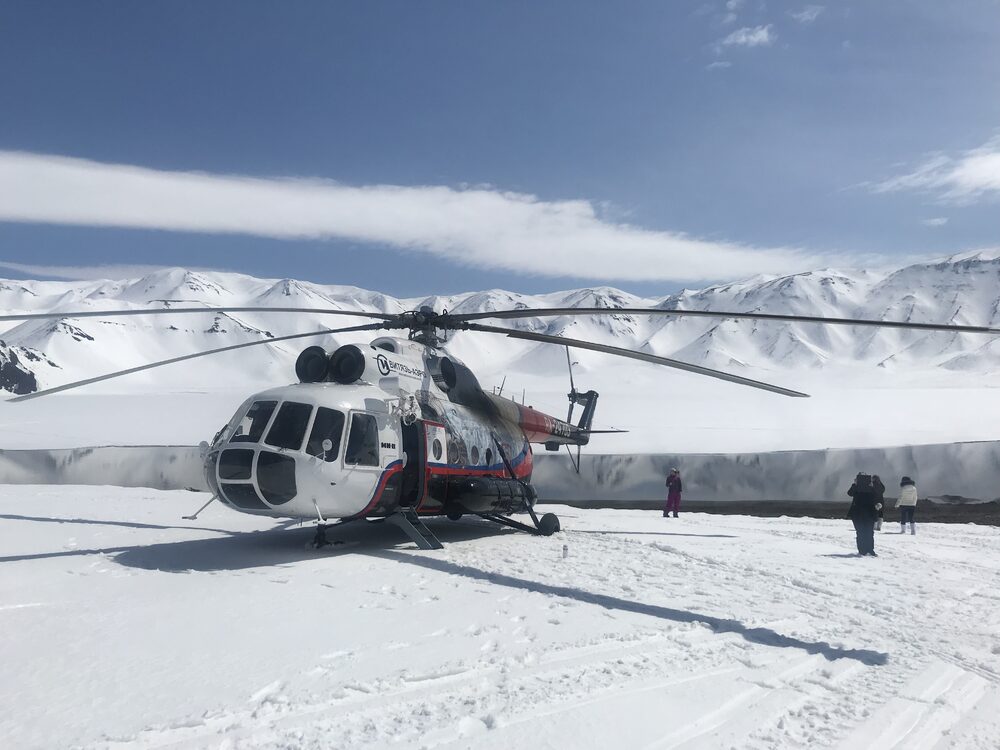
14 377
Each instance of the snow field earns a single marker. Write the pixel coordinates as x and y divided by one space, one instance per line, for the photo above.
125 626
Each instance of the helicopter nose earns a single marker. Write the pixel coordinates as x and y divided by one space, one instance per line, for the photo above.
255 479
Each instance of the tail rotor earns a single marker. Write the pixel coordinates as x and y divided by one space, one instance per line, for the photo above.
572 395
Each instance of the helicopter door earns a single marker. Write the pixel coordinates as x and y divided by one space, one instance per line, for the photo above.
412 486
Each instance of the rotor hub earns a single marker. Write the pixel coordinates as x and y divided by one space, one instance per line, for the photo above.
424 325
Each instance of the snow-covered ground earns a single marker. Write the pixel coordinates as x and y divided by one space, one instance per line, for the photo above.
124 625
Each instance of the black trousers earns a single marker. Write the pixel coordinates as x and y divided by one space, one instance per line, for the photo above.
864 528
906 513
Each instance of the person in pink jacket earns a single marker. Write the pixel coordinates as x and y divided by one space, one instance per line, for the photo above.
674 488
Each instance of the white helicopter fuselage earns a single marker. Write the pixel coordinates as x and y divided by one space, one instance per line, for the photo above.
393 437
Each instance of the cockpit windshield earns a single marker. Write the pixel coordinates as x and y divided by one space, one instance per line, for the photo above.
328 425
289 428
251 427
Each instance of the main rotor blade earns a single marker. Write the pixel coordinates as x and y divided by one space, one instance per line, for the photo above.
161 363
552 311
183 310
630 354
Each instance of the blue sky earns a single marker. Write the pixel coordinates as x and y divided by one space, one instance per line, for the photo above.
419 147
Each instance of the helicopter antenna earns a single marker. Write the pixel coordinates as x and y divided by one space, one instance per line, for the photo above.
572 460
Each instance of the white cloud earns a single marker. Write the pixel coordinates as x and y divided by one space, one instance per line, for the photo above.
808 14
718 65
478 227
81 273
972 174
937 221
755 36
731 7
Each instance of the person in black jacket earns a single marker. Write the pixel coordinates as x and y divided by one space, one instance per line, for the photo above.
863 512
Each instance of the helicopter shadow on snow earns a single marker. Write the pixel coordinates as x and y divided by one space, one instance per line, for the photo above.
759 635
289 544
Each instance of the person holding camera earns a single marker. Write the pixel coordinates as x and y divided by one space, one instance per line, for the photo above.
863 513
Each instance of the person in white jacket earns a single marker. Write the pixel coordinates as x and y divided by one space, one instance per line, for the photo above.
907 504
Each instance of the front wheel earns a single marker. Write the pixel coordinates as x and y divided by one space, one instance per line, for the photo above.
548 524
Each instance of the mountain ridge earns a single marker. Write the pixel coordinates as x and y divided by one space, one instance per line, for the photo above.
962 289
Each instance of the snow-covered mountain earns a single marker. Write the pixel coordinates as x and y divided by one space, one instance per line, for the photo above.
960 289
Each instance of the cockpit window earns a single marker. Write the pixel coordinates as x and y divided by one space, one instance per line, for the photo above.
289 428
250 428
329 425
362 443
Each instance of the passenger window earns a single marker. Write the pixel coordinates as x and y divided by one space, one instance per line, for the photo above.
362 443
251 427
452 452
329 425
289 428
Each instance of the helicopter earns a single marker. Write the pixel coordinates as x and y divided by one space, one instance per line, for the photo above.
400 429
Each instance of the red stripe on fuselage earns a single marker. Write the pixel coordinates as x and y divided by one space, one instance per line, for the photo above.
394 468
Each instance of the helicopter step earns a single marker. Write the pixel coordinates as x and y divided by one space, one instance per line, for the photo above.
408 520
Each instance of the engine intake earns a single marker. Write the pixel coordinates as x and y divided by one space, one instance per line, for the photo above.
347 364
312 365
459 383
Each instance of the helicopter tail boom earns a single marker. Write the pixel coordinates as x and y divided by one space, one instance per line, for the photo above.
539 427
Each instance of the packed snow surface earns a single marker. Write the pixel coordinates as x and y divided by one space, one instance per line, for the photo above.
127 626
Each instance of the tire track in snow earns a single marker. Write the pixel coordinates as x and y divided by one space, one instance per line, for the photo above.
926 709
448 686
734 711
873 684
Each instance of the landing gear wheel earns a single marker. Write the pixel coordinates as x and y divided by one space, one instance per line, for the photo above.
454 512
319 541
548 524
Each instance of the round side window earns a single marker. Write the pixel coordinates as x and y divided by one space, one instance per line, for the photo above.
436 449
489 456
452 452
474 455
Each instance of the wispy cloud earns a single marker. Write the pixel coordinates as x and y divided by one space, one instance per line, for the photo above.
477 227
732 6
960 179
937 221
808 14
718 65
86 273
750 36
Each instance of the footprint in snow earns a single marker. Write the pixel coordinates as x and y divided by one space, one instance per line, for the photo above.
335 655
